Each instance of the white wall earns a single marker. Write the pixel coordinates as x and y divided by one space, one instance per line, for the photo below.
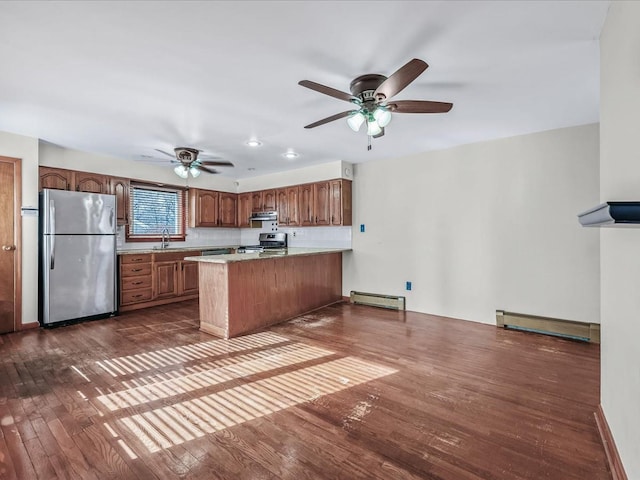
482 227
620 261
26 148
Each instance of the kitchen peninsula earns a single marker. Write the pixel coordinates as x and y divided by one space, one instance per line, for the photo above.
244 292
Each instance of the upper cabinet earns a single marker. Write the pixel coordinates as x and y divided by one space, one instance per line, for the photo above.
287 203
212 209
56 178
245 207
62 179
91 182
120 188
204 210
323 203
228 209
312 204
340 202
264 200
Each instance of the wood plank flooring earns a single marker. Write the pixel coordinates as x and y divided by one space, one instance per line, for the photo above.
348 392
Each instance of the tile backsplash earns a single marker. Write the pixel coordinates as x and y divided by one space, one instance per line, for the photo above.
329 237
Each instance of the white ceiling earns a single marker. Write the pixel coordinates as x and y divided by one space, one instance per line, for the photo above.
125 78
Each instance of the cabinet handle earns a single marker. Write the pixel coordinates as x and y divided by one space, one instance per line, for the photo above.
316 219
136 269
136 296
136 259
77 188
136 283
175 266
181 266
331 218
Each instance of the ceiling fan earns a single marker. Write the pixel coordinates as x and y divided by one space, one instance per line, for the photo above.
189 163
371 96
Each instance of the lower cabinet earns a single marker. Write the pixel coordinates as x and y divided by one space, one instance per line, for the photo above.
153 279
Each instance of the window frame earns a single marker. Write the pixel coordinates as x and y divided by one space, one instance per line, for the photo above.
182 205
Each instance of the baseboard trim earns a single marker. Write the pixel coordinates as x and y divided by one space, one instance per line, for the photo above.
613 457
29 326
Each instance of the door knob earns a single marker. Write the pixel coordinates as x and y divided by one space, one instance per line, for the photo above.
8 248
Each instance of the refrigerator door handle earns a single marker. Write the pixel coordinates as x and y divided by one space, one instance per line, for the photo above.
52 221
111 218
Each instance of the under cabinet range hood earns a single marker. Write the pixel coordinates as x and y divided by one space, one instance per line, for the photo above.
264 216
612 214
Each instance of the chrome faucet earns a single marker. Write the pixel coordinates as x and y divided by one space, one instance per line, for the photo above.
165 238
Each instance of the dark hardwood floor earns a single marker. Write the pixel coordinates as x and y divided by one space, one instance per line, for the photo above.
348 392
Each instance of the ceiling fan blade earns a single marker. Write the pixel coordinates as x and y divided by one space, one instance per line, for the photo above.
172 155
419 106
337 116
221 163
204 169
332 92
400 79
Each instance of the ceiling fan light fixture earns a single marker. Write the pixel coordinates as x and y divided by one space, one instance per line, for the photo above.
373 128
290 154
382 116
181 171
195 173
355 121
254 143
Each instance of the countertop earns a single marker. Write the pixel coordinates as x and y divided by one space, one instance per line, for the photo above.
172 249
243 257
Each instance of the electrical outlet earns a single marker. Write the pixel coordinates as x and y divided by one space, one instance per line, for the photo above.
362 227
293 234
408 285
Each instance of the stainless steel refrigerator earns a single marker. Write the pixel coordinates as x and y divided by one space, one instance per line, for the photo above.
77 256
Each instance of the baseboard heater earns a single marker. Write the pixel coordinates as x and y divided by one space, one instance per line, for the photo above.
586 332
377 300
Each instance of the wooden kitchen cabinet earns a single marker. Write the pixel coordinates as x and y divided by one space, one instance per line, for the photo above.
340 202
213 209
204 208
188 280
136 282
166 279
120 188
151 279
324 203
228 205
244 209
305 205
264 200
287 206
91 182
321 209
56 178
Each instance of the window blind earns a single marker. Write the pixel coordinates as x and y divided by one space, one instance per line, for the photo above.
153 209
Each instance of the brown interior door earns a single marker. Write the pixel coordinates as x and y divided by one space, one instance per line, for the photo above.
9 252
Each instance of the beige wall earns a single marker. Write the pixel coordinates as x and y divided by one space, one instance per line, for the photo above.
26 149
620 260
482 227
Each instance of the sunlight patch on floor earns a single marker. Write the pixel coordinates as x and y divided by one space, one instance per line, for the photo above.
165 427
133 364
212 373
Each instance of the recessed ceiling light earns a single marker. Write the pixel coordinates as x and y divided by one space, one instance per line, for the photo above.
253 143
290 155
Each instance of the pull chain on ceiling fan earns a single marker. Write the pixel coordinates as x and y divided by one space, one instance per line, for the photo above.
371 96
